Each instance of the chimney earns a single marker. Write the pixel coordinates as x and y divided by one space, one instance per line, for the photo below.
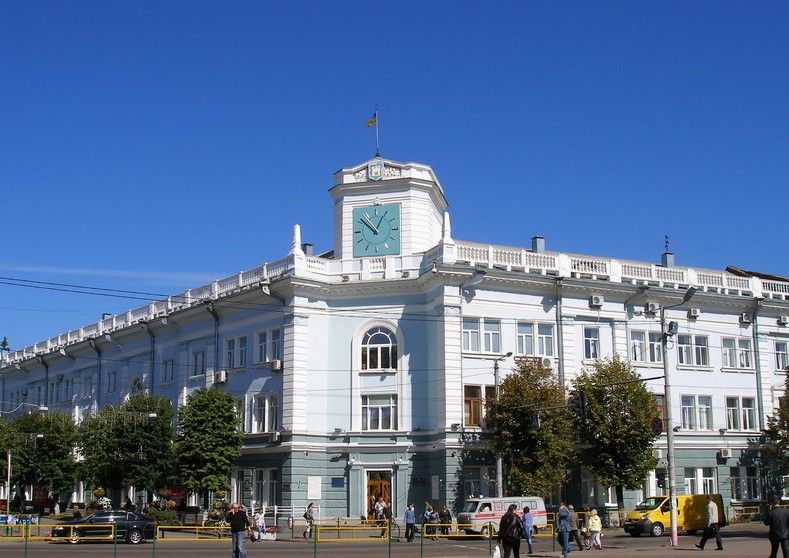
667 259
307 248
538 244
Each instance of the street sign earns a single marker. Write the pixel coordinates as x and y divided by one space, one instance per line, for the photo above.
657 426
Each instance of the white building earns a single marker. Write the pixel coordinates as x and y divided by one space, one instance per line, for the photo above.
364 370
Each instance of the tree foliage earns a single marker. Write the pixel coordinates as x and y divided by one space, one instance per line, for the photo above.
128 446
775 445
537 456
617 430
208 439
42 446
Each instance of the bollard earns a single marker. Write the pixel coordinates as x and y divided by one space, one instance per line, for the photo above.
338 527
153 545
421 540
114 542
26 533
315 541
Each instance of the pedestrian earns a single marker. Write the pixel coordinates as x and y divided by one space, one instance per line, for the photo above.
574 527
410 519
239 527
563 529
778 520
260 524
528 527
386 519
445 517
712 528
510 531
75 513
427 519
595 526
310 517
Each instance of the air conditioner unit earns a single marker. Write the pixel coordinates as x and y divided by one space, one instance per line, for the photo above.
596 301
651 308
783 320
657 453
725 453
275 365
746 318
276 436
694 312
220 377
547 362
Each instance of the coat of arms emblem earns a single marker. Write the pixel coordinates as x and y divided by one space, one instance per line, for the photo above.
375 169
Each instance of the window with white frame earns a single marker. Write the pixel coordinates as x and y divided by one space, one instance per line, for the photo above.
471 334
781 355
474 404
645 347
266 417
379 412
591 343
112 378
241 413
700 480
736 352
696 412
167 371
379 349
744 483
198 363
526 344
268 346
67 389
693 350
236 352
740 413
491 332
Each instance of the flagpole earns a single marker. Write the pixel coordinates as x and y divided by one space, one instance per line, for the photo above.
377 125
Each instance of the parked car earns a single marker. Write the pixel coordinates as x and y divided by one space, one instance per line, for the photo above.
130 526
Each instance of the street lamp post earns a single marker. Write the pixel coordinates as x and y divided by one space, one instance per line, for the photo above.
672 489
499 464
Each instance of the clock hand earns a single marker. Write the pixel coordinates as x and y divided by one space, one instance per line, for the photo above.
366 221
381 220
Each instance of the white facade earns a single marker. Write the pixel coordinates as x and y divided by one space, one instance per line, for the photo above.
355 375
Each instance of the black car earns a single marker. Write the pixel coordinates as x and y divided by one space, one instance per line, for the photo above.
130 526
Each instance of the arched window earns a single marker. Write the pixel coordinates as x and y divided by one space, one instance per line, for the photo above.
379 349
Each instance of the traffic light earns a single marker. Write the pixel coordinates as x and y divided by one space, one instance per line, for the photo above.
577 403
673 327
661 480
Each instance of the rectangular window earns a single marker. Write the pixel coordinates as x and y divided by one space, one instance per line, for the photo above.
736 352
198 363
242 351
379 412
545 339
236 352
638 351
230 353
241 413
655 347
696 412
262 347
471 335
167 372
693 350
733 414
740 413
748 413
275 347
525 338
781 355
111 381
705 412
472 406
660 400
744 483
266 413
691 482
492 335
67 390
591 343
708 480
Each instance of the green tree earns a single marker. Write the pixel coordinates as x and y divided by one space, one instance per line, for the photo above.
208 439
99 442
616 432
44 450
536 454
775 446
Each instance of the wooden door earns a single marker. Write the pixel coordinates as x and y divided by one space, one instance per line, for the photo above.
379 483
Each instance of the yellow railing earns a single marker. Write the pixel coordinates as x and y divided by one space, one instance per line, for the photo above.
192 533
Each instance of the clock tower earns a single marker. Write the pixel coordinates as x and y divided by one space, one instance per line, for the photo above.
385 208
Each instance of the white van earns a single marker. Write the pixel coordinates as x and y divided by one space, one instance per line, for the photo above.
478 513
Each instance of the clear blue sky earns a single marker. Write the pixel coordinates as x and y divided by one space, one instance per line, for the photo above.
158 145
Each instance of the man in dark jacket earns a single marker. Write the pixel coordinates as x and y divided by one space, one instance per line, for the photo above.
574 527
239 525
510 532
778 520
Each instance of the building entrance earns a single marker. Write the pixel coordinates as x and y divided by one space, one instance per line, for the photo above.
379 483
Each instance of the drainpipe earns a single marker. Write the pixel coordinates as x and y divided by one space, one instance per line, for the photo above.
95 347
211 310
153 354
559 336
46 379
757 361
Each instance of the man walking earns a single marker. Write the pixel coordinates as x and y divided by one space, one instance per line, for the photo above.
574 527
778 520
239 525
563 529
410 519
713 529
510 532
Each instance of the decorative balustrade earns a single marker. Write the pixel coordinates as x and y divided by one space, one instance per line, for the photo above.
475 254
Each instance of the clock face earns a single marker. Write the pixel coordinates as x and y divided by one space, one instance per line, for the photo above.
376 230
